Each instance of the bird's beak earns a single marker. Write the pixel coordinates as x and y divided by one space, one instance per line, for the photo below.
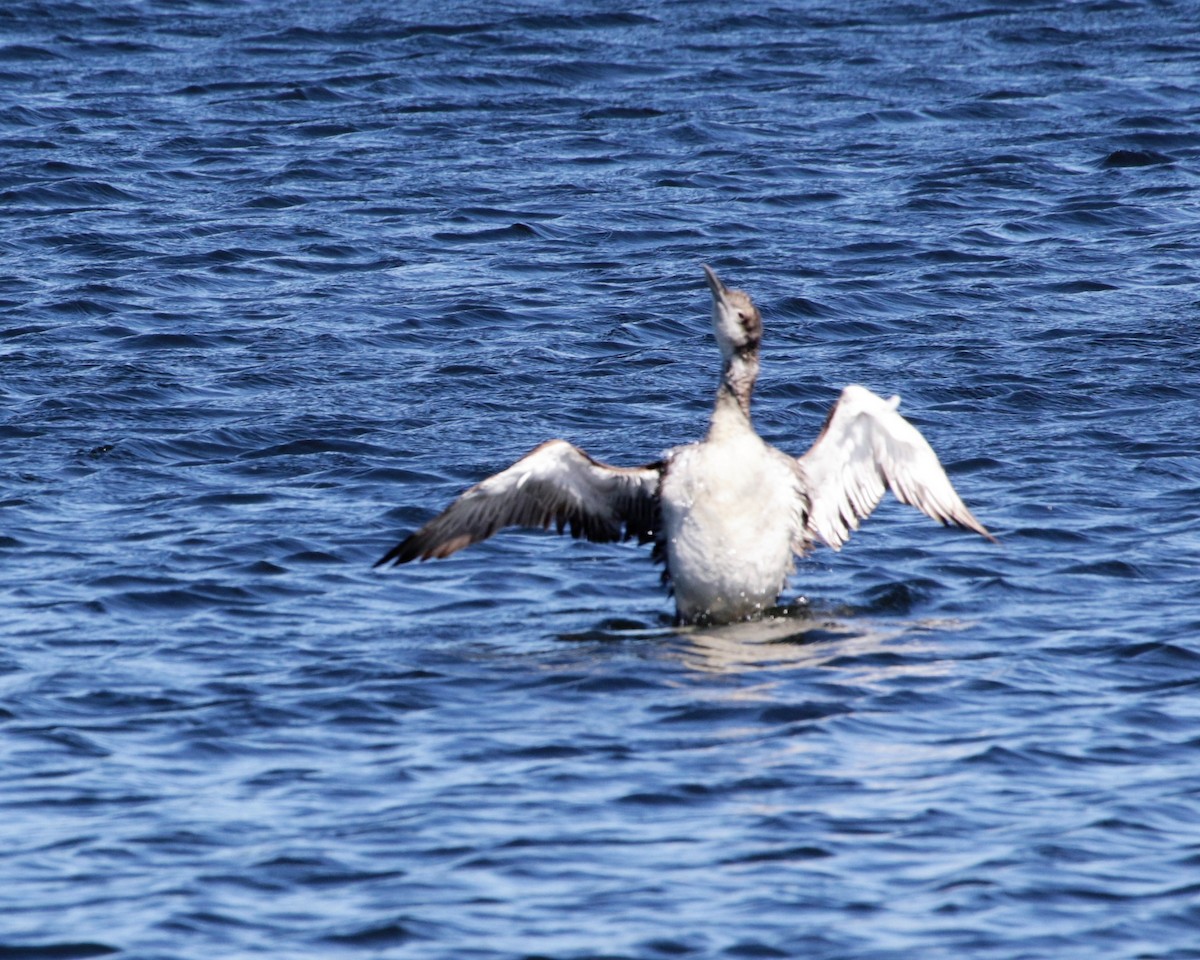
714 283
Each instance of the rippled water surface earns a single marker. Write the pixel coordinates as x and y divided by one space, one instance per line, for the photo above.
279 279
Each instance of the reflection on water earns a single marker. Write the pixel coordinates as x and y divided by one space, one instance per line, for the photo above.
865 650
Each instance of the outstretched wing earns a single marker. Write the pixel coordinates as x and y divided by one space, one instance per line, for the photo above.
865 448
554 483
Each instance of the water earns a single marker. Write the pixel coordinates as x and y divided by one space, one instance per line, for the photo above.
278 280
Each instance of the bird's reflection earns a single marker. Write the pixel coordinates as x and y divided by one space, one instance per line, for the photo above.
799 636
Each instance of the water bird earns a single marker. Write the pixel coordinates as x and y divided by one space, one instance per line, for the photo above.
727 514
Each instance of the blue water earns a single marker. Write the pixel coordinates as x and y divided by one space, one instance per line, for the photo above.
279 279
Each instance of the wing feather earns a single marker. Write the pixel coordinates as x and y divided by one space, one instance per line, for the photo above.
556 483
865 449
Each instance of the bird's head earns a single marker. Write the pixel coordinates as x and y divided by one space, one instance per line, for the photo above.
737 323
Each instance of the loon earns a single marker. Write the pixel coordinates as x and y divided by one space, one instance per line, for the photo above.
728 513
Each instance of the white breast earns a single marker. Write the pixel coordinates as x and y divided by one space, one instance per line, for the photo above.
732 509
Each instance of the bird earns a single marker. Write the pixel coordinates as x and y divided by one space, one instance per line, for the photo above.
727 514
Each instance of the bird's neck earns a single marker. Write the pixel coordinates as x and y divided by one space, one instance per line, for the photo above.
732 409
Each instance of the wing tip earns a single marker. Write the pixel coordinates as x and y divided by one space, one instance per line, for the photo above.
393 557
409 549
984 532
965 520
